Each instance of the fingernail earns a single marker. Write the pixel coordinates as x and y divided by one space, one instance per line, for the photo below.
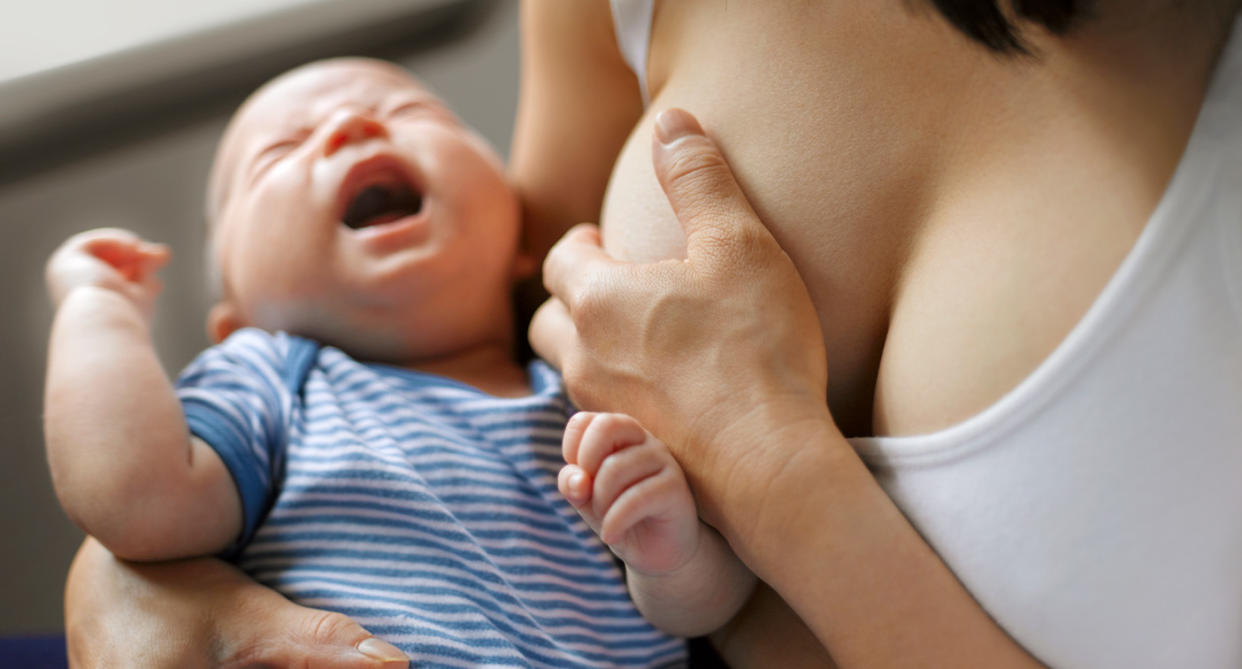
673 124
382 650
576 481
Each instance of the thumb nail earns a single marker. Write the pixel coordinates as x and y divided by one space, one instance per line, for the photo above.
673 124
382 650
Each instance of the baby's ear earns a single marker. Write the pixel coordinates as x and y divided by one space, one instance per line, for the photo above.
223 320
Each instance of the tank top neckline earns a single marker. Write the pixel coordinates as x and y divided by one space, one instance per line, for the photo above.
1186 194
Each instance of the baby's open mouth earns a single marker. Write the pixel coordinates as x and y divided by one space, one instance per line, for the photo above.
377 191
381 203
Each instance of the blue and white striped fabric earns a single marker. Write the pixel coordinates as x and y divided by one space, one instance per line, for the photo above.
425 509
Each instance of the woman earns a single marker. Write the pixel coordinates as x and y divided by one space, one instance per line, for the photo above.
954 211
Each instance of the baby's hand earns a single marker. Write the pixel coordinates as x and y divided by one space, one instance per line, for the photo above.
110 258
629 489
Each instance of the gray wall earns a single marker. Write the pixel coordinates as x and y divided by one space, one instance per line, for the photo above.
152 182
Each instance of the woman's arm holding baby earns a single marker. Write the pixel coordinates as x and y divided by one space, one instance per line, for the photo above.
202 612
123 463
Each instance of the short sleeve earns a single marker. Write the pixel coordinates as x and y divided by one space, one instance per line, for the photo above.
239 398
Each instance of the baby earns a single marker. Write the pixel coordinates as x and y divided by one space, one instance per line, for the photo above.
361 437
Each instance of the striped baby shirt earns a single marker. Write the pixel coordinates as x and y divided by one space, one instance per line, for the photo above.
425 509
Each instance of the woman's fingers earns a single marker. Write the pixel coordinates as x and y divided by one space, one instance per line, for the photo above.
319 640
262 628
572 260
552 333
573 273
714 212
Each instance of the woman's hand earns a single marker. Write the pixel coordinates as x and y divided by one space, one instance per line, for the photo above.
689 347
202 613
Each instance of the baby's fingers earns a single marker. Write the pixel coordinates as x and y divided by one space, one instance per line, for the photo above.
134 258
110 258
625 469
591 443
605 435
655 498
574 431
575 484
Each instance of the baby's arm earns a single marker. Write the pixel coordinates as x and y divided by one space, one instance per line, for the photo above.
625 483
123 463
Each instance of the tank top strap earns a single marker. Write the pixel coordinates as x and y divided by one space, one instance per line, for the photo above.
631 21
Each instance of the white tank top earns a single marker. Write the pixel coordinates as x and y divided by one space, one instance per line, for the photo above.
1095 511
631 21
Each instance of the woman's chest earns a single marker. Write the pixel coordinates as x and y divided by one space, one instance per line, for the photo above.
929 315
941 280
840 240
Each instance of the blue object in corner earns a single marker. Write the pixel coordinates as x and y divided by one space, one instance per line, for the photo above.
33 652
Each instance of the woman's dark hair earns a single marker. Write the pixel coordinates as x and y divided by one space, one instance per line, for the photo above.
985 21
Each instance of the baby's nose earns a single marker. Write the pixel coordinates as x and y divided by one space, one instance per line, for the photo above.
352 126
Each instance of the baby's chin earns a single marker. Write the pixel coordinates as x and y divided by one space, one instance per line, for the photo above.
392 343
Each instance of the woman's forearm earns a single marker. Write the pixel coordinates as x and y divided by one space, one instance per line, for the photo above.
121 457
806 515
767 633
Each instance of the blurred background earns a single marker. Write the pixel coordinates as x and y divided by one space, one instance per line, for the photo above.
109 115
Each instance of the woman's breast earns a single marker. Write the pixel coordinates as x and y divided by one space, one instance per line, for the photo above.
828 158
845 154
836 222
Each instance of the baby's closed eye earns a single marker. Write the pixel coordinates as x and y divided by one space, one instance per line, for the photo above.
272 154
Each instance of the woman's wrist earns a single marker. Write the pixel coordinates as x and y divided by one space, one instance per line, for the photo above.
755 464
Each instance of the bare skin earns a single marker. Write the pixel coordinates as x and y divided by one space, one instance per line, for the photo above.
925 137
946 164
922 137
125 465
426 288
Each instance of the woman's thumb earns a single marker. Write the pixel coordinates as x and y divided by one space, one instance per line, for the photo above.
698 182
326 640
